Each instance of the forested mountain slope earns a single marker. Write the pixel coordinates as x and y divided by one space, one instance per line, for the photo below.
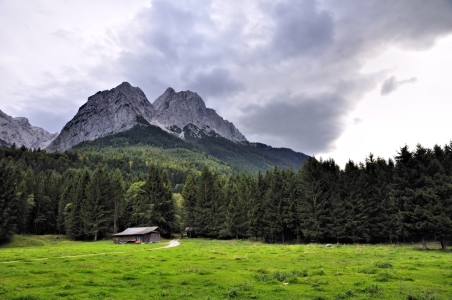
224 155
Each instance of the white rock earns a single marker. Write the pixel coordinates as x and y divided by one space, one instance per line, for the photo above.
22 133
125 107
184 108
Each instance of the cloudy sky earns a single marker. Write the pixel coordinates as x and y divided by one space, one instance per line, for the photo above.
328 78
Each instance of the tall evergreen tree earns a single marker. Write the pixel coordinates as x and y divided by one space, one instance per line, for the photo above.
75 197
205 205
351 185
9 179
256 208
238 195
139 209
158 192
117 194
26 200
189 194
313 207
96 208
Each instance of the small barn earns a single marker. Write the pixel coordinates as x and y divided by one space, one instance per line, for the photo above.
142 235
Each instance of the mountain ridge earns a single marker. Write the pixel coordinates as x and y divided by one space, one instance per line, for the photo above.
125 107
19 131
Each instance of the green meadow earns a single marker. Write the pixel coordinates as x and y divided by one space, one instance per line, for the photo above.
51 267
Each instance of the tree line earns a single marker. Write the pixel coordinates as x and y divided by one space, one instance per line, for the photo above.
409 199
53 193
405 199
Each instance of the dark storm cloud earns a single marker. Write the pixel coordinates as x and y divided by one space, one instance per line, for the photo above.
323 44
242 54
412 24
178 46
392 84
215 83
311 124
300 28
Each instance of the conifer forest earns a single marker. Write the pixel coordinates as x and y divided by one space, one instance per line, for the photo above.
87 197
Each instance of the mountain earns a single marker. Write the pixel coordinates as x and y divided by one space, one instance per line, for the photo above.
105 113
175 111
178 129
190 153
124 107
20 132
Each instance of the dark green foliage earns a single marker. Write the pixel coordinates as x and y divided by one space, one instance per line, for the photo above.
138 209
72 199
117 194
352 188
82 194
158 193
96 207
239 196
208 204
321 208
189 194
241 157
9 202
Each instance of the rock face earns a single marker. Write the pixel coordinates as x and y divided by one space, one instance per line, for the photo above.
19 131
125 107
105 113
177 110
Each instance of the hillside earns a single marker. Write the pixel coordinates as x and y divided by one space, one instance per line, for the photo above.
215 151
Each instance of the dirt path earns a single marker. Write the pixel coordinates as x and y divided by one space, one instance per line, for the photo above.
172 243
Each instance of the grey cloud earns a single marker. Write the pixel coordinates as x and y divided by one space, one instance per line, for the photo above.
54 121
392 84
303 47
413 24
215 83
300 28
54 103
311 123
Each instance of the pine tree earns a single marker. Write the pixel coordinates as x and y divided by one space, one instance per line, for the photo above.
139 209
96 209
205 205
256 207
238 195
291 218
26 200
189 193
442 209
313 207
117 193
158 192
351 191
9 179
75 195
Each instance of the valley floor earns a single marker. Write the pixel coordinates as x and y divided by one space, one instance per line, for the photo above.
50 267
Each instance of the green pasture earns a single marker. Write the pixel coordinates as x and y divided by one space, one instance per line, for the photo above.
47 267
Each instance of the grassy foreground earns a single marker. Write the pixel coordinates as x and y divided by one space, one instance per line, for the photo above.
44 267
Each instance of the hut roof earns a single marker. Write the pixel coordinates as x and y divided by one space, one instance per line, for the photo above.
137 231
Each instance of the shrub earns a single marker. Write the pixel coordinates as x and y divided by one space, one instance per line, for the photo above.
373 289
383 265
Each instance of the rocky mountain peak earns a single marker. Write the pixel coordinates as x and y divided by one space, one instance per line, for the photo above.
177 110
19 131
124 107
107 112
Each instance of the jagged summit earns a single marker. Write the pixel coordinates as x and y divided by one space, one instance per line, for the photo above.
105 113
19 131
177 110
124 107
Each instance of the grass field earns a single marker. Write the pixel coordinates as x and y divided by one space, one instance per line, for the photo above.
47 267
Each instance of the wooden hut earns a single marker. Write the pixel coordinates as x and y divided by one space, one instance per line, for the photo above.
138 235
